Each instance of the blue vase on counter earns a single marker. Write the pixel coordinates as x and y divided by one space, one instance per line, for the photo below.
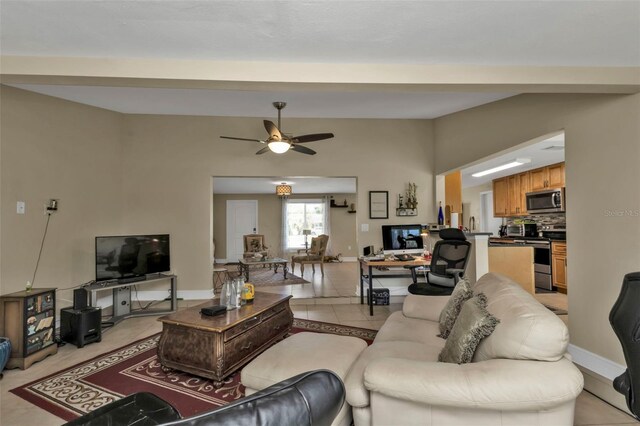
5 353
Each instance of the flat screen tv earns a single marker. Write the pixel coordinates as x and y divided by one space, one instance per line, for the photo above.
131 256
399 239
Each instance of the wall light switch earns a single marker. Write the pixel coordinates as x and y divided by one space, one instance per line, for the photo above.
364 227
20 207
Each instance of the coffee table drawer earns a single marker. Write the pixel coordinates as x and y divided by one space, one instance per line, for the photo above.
242 327
237 349
271 312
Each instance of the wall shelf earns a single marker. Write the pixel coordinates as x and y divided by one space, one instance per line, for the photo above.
406 212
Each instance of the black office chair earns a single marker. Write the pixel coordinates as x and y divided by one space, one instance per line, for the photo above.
625 321
308 399
448 263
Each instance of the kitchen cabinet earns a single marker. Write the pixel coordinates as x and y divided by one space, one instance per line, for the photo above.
525 186
453 191
510 192
547 177
518 187
555 175
501 197
559 265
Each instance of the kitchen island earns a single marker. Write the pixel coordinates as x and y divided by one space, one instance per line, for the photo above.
515 262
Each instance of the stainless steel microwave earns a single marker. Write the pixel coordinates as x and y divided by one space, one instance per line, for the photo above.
548 201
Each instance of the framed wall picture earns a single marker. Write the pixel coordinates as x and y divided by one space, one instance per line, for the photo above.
378 204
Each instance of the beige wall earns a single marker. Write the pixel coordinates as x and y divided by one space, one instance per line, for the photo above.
602 153
343 224
56 149
169 162
121 174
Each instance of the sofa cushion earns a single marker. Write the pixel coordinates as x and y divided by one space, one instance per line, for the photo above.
424 307
460 294
397 327
527 329
357 394
472 325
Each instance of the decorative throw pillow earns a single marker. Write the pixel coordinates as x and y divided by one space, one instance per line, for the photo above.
461 293
473 324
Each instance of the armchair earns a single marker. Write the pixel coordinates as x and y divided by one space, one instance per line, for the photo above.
254 244
314 255
625 321
311 398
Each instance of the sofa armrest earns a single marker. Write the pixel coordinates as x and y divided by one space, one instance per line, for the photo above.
499 384
424 307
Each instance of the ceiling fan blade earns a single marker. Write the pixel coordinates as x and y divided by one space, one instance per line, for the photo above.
303 149
263 150
241 139
274 133
311 138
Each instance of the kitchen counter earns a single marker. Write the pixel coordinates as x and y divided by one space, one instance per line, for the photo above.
467 233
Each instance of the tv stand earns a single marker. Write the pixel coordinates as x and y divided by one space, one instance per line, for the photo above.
121 290
129 280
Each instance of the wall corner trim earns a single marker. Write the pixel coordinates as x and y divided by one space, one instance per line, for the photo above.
596 363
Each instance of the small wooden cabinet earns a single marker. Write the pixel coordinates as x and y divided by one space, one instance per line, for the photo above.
559 265
28 319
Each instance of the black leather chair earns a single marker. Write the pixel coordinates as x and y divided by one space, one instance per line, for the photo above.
448 263
625 321
312 398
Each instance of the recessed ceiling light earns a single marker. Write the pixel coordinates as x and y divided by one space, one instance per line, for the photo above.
518 162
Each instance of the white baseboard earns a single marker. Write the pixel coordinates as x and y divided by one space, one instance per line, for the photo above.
596 363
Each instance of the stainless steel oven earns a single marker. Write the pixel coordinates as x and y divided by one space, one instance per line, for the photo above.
541 261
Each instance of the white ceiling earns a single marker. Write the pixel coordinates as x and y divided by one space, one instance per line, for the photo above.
138 100
536 152
537 33
300 185
475 32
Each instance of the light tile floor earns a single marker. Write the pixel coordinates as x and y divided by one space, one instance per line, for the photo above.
15 411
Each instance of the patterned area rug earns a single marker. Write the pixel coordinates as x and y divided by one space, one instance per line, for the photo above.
262 277
135 368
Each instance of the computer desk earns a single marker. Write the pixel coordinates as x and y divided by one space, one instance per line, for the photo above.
367 265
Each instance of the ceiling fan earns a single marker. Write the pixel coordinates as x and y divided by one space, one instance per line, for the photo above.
279 142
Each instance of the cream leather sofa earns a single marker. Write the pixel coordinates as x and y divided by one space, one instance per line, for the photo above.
520 375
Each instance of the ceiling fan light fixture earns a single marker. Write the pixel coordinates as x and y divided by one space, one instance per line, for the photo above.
279 147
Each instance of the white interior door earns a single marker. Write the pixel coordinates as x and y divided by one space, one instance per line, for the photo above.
242 219
488 223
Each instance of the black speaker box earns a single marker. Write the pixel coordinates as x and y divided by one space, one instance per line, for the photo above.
80 297
81 326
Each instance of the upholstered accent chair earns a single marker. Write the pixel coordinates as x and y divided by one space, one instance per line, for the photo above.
314 255
254 244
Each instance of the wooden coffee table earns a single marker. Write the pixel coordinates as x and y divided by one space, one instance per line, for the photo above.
216 347
274 262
